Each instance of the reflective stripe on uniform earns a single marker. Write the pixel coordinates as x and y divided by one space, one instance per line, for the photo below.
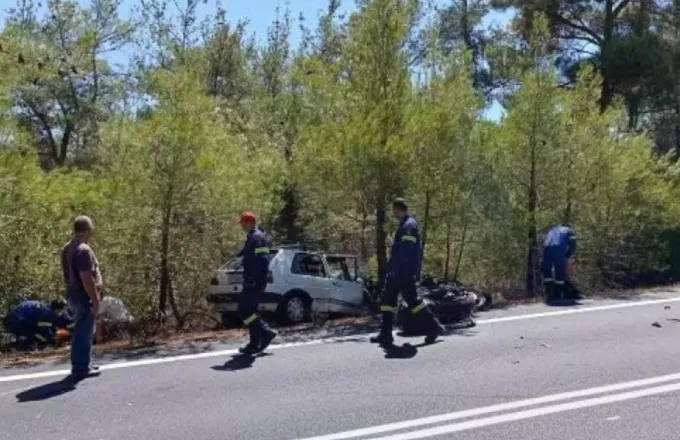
418 308
44 324
70 326
261 250
559 282
40 337
388 309
249 320
548 280
409 238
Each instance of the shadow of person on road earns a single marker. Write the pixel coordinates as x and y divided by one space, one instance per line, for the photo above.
564 303
48 390
406 351
239 362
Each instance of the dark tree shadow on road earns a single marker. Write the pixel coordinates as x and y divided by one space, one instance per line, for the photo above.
239 362
48 390
406 351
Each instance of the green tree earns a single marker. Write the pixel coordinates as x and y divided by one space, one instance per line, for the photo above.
65 87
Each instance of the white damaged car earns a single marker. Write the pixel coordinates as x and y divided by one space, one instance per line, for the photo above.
300 283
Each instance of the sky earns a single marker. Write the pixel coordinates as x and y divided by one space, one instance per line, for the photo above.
260 14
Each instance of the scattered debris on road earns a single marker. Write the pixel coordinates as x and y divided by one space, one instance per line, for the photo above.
656 324
546 345
667 308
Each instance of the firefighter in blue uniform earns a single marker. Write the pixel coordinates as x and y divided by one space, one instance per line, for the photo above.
403 270
560 245
36 323
255 255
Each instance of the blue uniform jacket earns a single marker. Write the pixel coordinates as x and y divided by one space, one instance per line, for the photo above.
38 316
562 238
405 256
255 255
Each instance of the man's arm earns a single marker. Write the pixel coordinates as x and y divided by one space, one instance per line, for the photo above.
84 262
571 244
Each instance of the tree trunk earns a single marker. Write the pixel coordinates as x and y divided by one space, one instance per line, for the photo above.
426 224
532 242
607 94
289 215
165 249
570 192
173 305
364 223
447 262
381 237
466 222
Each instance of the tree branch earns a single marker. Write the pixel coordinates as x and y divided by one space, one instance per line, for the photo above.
46 128
619 7
577 27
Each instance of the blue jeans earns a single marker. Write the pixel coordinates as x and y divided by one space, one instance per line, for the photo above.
81 339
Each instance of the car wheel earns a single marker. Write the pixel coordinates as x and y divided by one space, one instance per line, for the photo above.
294 309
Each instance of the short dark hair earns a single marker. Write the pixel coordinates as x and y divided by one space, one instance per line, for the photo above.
400 204
58 304
82 223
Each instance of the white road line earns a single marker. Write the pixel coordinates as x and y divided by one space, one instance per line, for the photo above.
168 359
578 310
537 412
475 412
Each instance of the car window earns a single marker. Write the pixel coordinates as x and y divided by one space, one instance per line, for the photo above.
339 268
308 264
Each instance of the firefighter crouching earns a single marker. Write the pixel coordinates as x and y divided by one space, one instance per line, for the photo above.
35 323
255 255
560 245
403 269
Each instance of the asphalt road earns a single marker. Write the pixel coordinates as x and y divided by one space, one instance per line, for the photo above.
599 371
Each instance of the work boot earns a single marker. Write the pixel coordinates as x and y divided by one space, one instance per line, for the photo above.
250 349
382 339
92 371
266 340
549 292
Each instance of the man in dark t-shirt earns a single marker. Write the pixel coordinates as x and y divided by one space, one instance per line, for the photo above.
83 293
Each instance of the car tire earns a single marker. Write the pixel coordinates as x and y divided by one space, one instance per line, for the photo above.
294 308
229 320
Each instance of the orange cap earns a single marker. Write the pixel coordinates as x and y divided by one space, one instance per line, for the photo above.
248 217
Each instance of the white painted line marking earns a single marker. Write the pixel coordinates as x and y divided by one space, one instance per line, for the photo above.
531 413
578 310
614 418
185 357
497 408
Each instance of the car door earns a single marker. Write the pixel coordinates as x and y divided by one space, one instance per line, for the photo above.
347 294
309 273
